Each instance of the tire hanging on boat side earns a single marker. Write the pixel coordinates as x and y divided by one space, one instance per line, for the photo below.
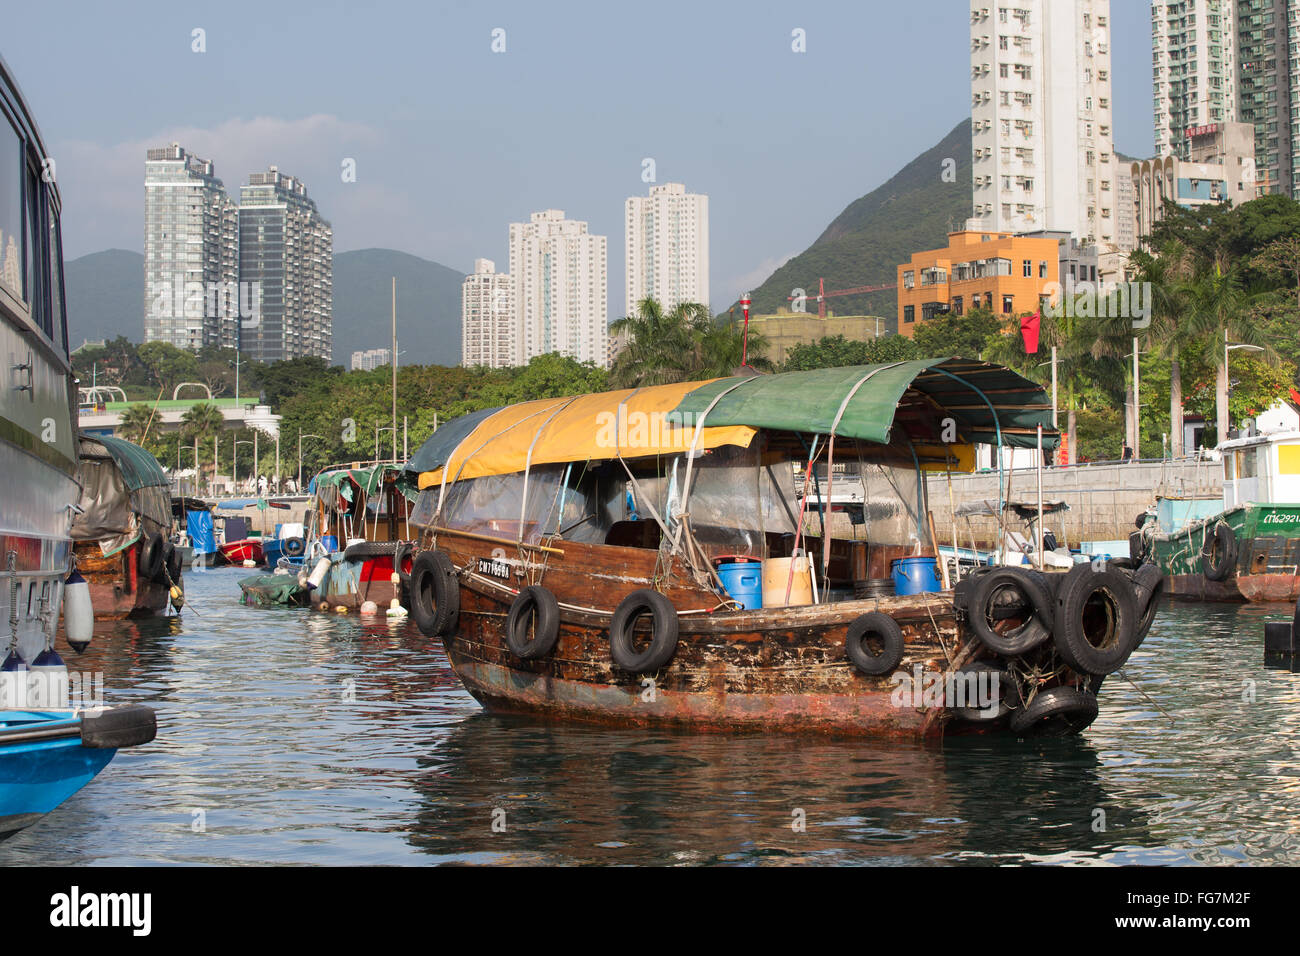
989 603
1055 712
1224 543
149 561
663 643
878 628
1096 619
435 594
1148 587
534 603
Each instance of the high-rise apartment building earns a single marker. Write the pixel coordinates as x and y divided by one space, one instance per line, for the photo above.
190 252
1267 73
488 318
1041 118
286 259
370 359
1194 68
1217 62
560 277
667 247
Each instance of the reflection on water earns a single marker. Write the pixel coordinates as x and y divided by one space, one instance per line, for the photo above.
302 737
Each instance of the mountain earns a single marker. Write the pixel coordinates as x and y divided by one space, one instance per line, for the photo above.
866 243
105 293
428 306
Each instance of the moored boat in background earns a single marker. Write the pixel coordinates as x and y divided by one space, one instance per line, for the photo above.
123 530
1247 548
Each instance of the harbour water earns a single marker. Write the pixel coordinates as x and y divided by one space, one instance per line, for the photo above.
300 737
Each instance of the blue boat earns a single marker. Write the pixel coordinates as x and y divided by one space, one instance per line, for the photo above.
48 755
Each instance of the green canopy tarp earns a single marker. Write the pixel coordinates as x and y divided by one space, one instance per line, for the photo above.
811 401
367 479
139 468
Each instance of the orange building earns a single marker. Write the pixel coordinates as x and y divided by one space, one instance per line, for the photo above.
1000 271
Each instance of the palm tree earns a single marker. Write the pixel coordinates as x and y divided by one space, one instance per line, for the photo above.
136 422
681 345
1166 277
202 420
1218 306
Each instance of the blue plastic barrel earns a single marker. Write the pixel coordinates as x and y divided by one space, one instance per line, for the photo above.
744 582
330 542
915 575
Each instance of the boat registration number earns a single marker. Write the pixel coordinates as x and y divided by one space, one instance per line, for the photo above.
493 567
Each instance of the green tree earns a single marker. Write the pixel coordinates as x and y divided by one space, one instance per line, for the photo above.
138 419
1218 309
168 366
834 351
965 336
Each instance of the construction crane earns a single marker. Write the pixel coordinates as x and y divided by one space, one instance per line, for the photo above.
823 295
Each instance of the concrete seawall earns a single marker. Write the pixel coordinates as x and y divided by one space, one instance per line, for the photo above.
1104 500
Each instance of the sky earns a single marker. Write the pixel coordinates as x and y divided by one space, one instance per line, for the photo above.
453 141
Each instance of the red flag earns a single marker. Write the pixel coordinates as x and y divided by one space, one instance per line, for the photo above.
1029 329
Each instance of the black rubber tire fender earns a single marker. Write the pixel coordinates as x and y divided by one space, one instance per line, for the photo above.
126 726
435 594
885 630
1148 588
404 551
149 560
168 557
1007 698
1224 541
1137 547
1055 712
533 604
175 566
294 547
663 643
370 549
1096 619
1034 591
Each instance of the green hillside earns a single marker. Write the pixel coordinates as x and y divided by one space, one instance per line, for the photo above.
866 242
106 299
428 306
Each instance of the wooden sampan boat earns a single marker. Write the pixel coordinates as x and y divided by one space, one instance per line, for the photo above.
570 550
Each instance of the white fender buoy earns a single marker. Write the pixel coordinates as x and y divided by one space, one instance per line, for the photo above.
317 576
78 612
369 607
47 685
395 609
13 682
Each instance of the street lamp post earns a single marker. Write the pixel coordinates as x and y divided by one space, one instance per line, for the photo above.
301 436
1222 423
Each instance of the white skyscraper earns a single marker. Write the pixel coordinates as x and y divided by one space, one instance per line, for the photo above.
667 247
560 276
191 262
488 319
1041 118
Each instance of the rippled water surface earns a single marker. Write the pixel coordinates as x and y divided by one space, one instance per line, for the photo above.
301 737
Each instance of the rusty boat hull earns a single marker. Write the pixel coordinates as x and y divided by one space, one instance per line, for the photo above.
775 670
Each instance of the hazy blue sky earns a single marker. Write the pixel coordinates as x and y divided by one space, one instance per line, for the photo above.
452 141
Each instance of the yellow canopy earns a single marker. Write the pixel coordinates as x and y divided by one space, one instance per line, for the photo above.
633 423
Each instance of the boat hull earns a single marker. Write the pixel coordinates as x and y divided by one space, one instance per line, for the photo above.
1267 559
37 777
776 670
237 552
116 590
